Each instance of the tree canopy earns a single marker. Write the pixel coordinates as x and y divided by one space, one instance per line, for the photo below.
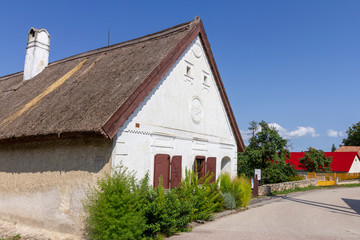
353 138
267 151
333 148
316 161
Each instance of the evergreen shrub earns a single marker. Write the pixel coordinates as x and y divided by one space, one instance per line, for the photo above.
229 201
113 208
120 207
204 197
164 212
239 188
295 178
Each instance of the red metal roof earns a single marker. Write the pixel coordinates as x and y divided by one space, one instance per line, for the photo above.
341 161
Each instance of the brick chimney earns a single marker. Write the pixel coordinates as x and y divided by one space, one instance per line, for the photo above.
37 52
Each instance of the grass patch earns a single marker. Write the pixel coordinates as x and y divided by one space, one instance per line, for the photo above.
16 237
350 185
297 189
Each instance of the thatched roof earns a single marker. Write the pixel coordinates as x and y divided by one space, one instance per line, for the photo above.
94 93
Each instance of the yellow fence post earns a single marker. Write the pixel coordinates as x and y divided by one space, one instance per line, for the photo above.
336 182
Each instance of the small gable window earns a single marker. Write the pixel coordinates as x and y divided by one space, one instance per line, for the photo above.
205 80
188 71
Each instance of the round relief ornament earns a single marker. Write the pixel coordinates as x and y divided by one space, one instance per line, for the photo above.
196 110
197 50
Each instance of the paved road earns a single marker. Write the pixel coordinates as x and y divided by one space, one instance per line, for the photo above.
320 214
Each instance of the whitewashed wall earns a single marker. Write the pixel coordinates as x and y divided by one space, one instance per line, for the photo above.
355 167
183 115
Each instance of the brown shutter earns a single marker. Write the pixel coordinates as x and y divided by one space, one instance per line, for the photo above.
175 171
200 165
162 168
211 167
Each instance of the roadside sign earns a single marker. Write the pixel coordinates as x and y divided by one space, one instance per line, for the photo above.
258 173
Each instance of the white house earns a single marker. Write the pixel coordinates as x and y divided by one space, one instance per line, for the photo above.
155 104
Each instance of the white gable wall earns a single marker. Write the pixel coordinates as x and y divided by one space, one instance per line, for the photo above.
355 166
183 115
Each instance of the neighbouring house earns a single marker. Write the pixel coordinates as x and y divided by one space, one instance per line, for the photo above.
154 104
345 162
349 149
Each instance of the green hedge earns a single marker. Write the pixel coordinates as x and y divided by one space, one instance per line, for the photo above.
120 207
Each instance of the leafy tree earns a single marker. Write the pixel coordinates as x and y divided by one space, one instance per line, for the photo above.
316 161
333 148
353 138
267 151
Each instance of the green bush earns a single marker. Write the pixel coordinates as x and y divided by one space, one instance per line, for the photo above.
225 183
122 208
295 178
114 208
278 172
165 213
229 201
273 174
204 198
243 186
239 188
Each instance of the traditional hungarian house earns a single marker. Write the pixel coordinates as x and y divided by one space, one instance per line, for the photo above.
346 162
154 104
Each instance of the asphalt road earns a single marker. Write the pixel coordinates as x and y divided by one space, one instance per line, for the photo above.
320 214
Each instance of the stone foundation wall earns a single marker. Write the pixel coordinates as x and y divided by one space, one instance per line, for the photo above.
269 188
353 181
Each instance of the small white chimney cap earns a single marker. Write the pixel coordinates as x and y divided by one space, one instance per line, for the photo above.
37 52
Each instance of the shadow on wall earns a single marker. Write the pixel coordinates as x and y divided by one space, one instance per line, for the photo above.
90 155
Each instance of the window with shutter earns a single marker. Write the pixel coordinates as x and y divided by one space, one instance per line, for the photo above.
211 167
200 166
175 171
162 168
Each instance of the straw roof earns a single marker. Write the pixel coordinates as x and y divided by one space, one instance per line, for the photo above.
94 93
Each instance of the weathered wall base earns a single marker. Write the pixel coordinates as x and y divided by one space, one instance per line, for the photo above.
43 184
269 188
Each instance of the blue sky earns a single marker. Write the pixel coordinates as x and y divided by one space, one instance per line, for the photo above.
295 64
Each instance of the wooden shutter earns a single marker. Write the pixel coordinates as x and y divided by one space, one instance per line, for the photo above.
200 166
211 167
175 171
161 168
